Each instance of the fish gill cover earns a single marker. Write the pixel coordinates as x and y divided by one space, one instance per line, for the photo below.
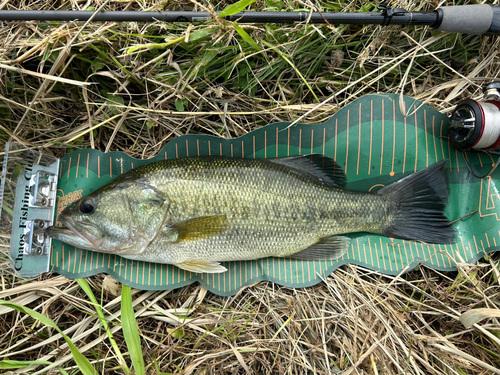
374 143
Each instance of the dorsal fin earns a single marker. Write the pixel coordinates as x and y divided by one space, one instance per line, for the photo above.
325 169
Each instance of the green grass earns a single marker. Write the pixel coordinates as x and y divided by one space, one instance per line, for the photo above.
150 83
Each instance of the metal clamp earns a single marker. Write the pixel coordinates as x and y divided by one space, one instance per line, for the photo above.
43 189
36 241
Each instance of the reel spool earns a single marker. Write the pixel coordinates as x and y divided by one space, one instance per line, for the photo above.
475 125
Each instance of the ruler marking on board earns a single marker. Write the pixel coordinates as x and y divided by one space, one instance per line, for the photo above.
434 138
359 140
400 256
393 137
436 255
416 138
371 254
69 166
303 277
404 148
426 141
448 255
411 251
335 153
80 263
406 253
74 262
277 142
389 254
308 270
382 141
371 137
347 143
312 141
442 256
324 140
77 166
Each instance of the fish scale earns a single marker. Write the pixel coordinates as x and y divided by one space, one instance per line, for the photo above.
196 212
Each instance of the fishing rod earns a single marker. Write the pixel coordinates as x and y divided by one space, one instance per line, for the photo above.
476 19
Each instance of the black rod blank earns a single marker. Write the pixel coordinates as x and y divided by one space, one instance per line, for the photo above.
476 19
376 18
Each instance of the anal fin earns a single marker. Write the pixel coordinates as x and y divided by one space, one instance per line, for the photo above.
202 266
327 248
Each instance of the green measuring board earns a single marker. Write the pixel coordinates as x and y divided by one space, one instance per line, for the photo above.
374 143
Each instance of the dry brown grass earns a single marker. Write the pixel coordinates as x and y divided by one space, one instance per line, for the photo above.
356 321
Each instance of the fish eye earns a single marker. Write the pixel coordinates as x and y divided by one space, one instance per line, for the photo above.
86 207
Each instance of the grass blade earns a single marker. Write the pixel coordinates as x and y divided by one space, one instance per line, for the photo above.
8 364
247 38
235 8
83 363
86 288
131 332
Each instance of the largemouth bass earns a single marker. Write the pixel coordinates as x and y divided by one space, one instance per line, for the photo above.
197 212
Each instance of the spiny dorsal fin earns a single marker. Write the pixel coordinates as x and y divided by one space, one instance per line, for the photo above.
327 248
325 169
202 266
200 227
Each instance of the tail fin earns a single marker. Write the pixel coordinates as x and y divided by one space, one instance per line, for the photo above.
419 201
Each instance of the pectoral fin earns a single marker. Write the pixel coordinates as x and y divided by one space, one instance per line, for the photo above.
328 248
200 227
202 267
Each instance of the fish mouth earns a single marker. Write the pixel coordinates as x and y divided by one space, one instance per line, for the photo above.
70 234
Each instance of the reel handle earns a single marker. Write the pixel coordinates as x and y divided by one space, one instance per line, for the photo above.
478 19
